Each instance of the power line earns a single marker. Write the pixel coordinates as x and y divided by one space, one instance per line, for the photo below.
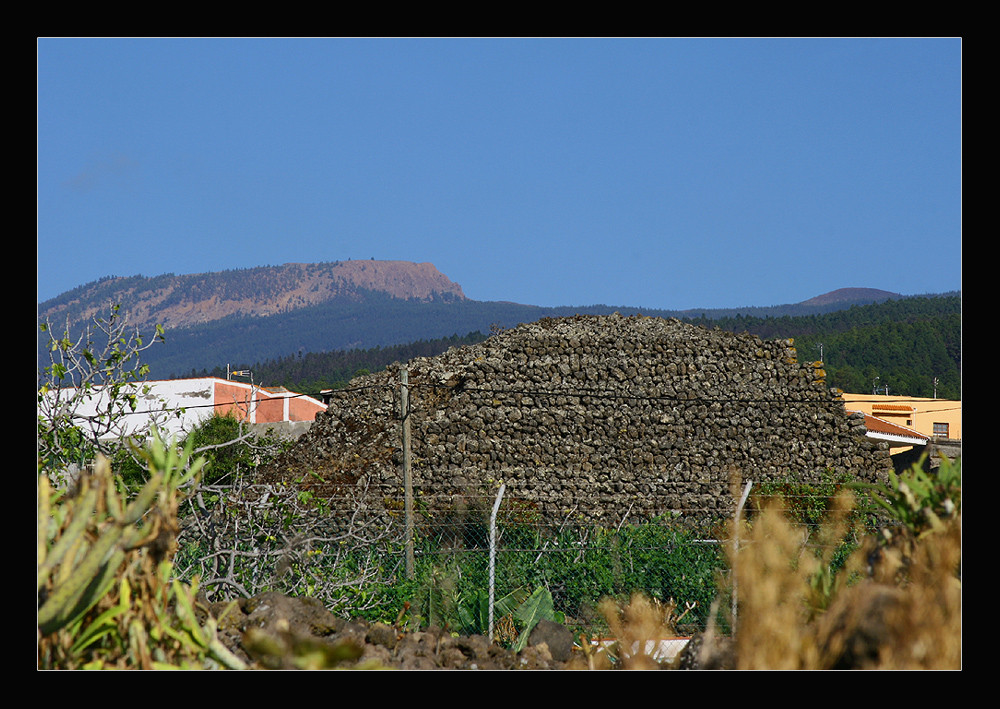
611 394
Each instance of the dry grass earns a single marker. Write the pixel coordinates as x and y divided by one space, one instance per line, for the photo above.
903 611
772 581
900 620
638 628
893 606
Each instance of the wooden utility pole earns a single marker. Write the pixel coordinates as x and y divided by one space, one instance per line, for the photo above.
404 414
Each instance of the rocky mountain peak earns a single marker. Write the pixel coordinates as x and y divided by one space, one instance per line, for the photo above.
185 300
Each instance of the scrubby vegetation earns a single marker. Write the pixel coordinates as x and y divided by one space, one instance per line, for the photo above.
140 571
894 604
893 601
107 596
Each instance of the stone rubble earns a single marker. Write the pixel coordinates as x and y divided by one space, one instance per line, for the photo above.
604 415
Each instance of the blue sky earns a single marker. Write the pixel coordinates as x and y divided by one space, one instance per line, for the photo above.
660 173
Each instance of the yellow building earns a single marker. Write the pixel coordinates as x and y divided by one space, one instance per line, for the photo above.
934 418
914 428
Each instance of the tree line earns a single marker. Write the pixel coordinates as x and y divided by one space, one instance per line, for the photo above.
312 372
913 346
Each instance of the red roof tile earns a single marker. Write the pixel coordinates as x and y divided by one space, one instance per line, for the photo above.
877 425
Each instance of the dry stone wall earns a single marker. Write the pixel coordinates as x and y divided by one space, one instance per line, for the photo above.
604 416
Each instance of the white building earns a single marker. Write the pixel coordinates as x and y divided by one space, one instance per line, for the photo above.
176 406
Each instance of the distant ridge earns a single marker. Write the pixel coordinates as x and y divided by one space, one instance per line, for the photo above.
268 312
190 300
851 295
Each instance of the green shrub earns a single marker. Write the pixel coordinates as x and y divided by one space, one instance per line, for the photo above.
919 501
578 567
224 441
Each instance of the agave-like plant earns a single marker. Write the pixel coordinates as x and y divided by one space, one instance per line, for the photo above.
105 593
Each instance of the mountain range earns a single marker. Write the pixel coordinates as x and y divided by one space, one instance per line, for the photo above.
251 315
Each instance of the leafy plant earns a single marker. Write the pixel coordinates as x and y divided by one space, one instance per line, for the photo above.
435 599
920 501
473 610
91 382
229 447
537 607
105 593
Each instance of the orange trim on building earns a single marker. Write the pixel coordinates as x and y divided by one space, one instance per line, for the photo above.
891 407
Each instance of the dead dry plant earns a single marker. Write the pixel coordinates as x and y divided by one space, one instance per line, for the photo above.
795 613
896 622
773 579
638 628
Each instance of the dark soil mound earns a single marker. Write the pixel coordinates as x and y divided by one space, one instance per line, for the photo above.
273 631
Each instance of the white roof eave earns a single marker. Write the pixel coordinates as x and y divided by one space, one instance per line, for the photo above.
895 438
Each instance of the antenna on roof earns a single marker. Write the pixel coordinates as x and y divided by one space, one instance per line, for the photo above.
236 372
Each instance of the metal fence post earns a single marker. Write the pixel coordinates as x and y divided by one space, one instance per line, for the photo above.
493 555
736 547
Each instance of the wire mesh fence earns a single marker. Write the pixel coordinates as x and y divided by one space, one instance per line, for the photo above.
425 548
421 549
467 560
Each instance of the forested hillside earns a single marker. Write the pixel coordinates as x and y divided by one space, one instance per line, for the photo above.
312 326
271 312
906 343
311 372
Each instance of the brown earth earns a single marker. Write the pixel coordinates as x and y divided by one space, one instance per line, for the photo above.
273 631
181 301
